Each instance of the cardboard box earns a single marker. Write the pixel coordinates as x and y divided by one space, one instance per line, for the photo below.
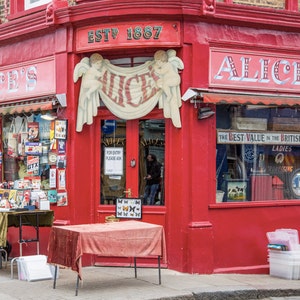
249 123
285 124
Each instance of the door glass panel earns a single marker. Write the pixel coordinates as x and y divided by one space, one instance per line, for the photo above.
152 142
122 144
113 152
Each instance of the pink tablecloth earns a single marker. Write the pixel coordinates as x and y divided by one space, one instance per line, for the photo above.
122 239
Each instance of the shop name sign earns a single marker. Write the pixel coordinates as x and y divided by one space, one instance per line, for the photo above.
35 78
254 70
137 34
262 138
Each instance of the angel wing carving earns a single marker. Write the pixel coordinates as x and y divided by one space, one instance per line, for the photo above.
81 68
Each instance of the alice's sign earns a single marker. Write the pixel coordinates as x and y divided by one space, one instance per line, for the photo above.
254 70
118 35
129 93
261 138
32 78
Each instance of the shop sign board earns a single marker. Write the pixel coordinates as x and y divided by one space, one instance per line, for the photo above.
27 79
118 35
261 138
254 70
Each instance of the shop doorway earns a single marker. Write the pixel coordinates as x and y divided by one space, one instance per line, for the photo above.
125 146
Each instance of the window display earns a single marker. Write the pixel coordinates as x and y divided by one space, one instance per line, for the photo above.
258 145
34 159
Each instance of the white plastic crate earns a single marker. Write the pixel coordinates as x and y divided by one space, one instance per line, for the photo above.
33 267
289 256
284 269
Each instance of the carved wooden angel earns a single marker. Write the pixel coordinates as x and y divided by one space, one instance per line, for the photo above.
166 66
90 69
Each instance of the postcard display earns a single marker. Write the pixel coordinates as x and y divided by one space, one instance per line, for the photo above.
34 163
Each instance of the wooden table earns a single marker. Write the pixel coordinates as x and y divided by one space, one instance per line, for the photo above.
34 218
120 239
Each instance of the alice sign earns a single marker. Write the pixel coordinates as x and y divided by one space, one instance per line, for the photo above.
254 70
129 93
29 79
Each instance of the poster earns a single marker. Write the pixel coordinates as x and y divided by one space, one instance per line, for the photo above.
60 129
33 131
52 196
113 160
33 165
62 199
61 179
52 178
61 161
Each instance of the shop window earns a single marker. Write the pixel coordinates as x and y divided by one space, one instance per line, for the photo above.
33 160
258 153
34 3
276 4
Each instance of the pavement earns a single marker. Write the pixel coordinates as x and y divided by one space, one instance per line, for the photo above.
119 283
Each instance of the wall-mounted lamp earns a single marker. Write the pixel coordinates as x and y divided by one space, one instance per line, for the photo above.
205 112
48 117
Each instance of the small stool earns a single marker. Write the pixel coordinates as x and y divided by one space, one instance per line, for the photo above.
1 258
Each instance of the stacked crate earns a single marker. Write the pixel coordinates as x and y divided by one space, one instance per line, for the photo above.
284 253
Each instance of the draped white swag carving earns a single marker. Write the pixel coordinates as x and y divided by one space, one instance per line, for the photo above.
129 93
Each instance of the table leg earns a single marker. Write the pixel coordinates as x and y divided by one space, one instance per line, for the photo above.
55 276
135 271
20 234
77 284
159 273
37 234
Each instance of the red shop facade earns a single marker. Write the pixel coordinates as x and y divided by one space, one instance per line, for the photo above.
215 102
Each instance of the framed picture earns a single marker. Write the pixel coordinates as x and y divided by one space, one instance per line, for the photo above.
62 199
61 174
237 190
60 129
130 208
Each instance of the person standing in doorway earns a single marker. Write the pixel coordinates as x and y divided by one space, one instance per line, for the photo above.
152 178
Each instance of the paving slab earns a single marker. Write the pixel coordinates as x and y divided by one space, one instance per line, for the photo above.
106 283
